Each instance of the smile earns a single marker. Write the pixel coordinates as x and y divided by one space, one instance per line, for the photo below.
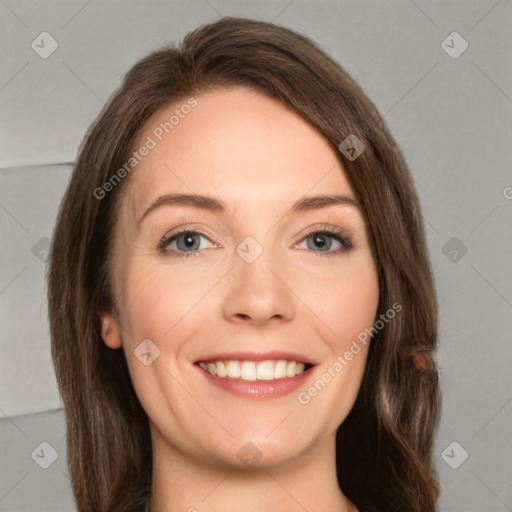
255 370
256 375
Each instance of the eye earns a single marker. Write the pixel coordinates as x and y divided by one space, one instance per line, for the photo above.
189 242
329 242
184 243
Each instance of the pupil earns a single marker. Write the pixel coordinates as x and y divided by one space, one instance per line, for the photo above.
320 240
188 241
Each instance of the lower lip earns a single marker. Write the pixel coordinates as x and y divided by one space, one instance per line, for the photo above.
258 388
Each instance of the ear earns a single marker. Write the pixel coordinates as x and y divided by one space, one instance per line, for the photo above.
110 331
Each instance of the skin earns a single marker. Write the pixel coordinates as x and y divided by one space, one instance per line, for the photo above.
259 157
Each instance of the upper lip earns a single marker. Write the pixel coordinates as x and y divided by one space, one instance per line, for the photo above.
274 355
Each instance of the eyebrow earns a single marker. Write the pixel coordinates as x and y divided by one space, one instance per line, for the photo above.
213 204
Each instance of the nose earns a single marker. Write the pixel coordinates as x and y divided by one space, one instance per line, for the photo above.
258 292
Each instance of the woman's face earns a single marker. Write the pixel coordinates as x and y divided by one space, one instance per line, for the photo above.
226 263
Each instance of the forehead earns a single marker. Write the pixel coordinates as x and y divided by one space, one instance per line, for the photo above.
240 145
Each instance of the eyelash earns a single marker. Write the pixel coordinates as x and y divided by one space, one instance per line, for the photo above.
338 235
173 236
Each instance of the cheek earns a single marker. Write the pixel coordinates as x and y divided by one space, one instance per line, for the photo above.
156 298
342 294
347 305
357 300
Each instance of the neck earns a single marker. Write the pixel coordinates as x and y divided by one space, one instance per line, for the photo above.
307 482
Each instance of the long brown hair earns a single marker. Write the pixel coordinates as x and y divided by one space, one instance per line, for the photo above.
384 447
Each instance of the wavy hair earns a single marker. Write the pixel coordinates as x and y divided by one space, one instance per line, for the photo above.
384 447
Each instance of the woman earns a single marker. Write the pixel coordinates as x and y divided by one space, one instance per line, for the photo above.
241 306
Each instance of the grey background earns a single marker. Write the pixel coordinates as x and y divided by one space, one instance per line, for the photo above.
451 116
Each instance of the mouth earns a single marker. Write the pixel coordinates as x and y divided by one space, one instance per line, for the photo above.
251 370
256 375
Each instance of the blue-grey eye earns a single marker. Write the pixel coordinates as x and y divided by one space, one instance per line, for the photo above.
188 242
327 242
184 243
319 241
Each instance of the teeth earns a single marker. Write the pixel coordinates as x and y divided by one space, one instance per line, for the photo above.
250 370
290 369
265 370
221 369
280 370
233 369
